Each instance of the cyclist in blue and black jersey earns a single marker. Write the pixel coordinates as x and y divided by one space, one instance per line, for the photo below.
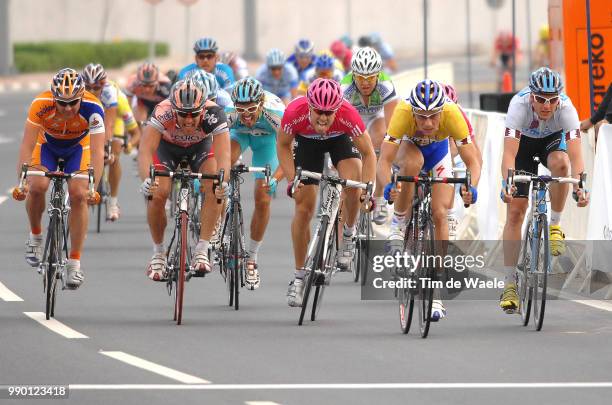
207 58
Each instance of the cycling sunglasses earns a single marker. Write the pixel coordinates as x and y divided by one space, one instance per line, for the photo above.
204 56
543 100
72 103
248 110
186 114
369 78
323 112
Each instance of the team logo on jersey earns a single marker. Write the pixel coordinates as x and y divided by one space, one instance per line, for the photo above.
439 170
211 119
45 110
95 122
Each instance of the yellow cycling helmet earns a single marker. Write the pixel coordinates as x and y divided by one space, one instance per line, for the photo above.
544 33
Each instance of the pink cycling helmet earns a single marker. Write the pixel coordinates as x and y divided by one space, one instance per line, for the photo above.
324 94
450 92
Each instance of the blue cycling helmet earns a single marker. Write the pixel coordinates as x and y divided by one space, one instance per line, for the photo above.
427 95
324 62
205 44
545 80
275 58
304 47
247 90
208 80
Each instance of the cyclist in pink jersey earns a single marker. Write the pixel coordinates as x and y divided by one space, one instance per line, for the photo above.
323 122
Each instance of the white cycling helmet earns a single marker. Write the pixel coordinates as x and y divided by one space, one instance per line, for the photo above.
366 61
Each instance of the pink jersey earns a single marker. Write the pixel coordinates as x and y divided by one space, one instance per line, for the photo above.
135 88
296 121
164 120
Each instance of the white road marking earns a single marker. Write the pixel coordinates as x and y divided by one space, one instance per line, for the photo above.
603 305
34 85
3 198
261 403
55 326
343 386
5 293
16 86
155 368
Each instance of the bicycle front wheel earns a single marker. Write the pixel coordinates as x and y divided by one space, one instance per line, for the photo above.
425 283
312 265
180 282
525 290
328 266
52 263
540 277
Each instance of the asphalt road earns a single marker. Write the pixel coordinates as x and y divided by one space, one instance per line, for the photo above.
130 350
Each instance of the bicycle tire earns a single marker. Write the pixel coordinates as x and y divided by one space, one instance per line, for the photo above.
365 250
51 271
236 254
540 278
525 290
313 263
406 294
327 268
180 282
428 272
358 238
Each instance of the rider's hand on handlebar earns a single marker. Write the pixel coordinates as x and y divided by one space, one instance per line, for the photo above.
222 191
469 196
93 198
507 198
392 191
19 194
147 188
581 196
271 188
369 202
297 190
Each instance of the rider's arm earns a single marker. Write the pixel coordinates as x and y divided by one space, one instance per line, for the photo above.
30 134
96 142
363 143
285 157
110 115
511 146
148 146
470 156
398 126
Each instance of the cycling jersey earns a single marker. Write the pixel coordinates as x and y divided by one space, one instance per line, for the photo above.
523 120
453 124
112 96
292 59
280 87
261 138
137 89
383 93
68 139
296 121
223 73
164 120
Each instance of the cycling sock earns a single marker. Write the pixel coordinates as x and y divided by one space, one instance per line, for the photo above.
37 236
75 255
300 273
349 231
509 275
254 249
380 201
158 248
202 246
113 201
555 218
36 231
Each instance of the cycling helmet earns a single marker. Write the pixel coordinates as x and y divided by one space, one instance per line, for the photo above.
324 62
545 80
450 92
228 57
93 73
275 58
364 41
188 95
207 80
67 85
247 90
427 95
324 94
366 62
304 46
147 73
205 44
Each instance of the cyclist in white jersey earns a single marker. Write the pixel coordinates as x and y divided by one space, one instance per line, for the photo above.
542 122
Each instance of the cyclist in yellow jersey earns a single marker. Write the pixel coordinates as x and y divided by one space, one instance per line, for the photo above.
423 124
119 117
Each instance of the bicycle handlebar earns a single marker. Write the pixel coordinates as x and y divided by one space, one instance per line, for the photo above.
528 178
299 174
267 171
186 174
57 175
467 180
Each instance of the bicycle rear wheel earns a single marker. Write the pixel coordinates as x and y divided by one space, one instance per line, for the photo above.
180 282
540 276
428 275
525 290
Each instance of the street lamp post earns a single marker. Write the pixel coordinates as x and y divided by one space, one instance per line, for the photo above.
153 4
187 4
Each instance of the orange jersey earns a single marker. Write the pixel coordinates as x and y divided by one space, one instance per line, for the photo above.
89 119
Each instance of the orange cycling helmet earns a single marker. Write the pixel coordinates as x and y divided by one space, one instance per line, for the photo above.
147 73
67 85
